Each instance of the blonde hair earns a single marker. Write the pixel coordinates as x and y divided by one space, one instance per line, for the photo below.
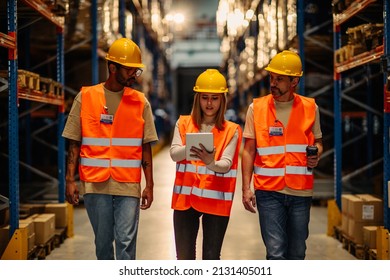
197 114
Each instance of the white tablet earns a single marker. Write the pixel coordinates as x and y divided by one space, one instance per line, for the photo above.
193 139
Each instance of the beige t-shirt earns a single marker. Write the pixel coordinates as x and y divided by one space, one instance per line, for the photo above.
283 110
72 131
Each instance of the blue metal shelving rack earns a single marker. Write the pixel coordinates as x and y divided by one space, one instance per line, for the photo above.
13 128
338 94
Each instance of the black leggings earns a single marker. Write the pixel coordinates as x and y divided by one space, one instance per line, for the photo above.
186 225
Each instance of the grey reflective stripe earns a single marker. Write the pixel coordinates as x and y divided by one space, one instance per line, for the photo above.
106 162
95 162
275 150
182 190
186 168
227 196
298 170
269 171
205 171
125 163
185 190
127 142
296 148
91 141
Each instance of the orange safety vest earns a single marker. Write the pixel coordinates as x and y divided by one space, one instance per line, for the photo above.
281 159
111 149
199 187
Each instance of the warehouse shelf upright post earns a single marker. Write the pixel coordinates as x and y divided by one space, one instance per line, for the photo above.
17 246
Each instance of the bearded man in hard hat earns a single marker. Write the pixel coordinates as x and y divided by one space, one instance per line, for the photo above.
110 130
279 129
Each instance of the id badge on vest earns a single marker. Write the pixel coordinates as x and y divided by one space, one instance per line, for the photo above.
105 118
276 130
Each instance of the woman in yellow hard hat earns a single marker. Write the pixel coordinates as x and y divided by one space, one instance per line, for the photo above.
108 153
204 186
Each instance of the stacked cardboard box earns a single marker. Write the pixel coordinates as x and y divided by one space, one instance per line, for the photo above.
359 211
29 224
44 225
61 213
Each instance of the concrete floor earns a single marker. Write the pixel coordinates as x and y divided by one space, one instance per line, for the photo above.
156 240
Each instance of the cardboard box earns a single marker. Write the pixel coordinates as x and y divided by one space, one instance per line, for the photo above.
29 224
344 202
364 207
44 225
372 208
355 230
369 236
61 213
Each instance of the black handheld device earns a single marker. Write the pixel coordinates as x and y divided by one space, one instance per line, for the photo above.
311 151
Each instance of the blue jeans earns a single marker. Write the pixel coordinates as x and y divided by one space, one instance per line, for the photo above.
113 218
284 223
186 226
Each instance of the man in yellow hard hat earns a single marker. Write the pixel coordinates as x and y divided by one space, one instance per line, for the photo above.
110 129
279 131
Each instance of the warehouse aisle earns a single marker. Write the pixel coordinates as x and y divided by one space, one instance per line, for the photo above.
156 241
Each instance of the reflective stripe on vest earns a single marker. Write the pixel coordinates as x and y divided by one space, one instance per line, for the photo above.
91 141
275 150
188 167
212 194
298 170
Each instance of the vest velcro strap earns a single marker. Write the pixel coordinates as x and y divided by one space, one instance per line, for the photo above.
273 150
269 171
95 162
127 142
182 190
227 196
298 170
125 163
92 141
296 148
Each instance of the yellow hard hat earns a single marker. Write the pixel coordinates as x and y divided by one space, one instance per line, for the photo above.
286 63
125 52
211 81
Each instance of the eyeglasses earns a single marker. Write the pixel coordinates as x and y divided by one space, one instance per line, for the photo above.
137 73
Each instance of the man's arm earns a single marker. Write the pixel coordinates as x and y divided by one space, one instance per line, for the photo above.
147 166
248 159
72 191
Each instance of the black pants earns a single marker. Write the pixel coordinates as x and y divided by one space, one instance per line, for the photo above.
186 225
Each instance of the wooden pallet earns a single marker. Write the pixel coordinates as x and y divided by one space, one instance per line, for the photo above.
51 88
353 248
28 79
370 254
41 251
59 236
